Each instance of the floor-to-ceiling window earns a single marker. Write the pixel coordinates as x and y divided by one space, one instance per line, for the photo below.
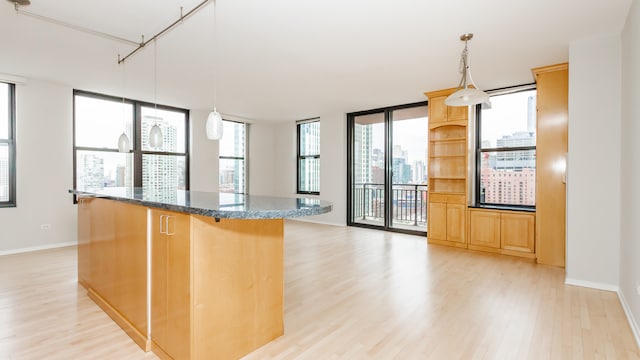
387 157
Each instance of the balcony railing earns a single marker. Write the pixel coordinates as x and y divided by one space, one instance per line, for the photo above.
409 202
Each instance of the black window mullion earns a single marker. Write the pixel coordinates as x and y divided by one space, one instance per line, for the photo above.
11 147
137 149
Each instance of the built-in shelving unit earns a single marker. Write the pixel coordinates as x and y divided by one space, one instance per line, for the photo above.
447 171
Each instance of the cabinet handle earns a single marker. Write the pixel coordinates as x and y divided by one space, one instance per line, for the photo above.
167 232
161 221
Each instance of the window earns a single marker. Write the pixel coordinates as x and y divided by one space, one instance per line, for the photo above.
233 150
7 146
98 122
309 157
506 154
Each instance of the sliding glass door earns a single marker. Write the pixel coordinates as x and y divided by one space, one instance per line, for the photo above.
387 168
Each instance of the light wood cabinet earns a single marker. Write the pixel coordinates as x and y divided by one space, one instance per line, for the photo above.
170 284
502 231
437 220
447 171
518 232
552 146
112 262
484 228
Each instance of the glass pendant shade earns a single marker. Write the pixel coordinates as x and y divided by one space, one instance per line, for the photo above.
155 136
467 96
123 143
214 126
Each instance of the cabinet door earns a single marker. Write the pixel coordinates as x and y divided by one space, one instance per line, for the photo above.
437 110
437 221
456 222
518 232
484 228
170 283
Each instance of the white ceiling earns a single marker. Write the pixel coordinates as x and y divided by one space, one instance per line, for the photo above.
296 59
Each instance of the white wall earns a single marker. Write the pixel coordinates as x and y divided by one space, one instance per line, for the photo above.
262 159
593 187
630 148
203 165
333 166
44 168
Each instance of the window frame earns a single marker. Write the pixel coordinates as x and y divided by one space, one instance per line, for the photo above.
300 157
11 145
136 141
479 150
244 158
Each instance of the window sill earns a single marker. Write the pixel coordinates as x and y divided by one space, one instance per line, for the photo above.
504 207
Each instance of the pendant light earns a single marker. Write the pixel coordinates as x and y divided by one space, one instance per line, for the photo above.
468 94
214 120
155 134
123 140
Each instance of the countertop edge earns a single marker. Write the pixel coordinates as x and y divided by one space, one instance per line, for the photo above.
222 214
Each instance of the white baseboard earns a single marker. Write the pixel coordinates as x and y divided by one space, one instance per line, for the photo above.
592 285
632 321
37 248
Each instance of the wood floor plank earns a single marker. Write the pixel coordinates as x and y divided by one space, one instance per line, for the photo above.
350 293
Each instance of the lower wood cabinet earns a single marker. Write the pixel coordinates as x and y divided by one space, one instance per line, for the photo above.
217 285
502 231
112 261
170 284
447 224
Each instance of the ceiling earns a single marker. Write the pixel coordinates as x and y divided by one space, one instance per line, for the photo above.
296 59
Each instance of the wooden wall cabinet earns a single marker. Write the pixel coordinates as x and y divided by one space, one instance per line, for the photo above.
502 231
447 168
551 150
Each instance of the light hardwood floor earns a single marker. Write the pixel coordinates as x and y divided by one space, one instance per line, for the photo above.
350 293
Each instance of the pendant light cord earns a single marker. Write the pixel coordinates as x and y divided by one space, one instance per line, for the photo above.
215 55
155 77
124 77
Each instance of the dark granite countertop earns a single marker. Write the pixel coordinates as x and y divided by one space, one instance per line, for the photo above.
217 205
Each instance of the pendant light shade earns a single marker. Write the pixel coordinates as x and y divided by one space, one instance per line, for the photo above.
214 126
468 93
467 96
155 136
123 143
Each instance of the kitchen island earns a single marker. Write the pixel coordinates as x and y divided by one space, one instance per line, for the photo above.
188 275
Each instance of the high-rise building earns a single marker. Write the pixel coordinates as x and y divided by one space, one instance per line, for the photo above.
419 172
90 172
363 136
160 172
509 177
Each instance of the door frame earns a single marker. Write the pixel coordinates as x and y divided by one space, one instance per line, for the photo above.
388 168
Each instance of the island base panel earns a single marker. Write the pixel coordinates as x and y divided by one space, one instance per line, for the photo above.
139 338
238 285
